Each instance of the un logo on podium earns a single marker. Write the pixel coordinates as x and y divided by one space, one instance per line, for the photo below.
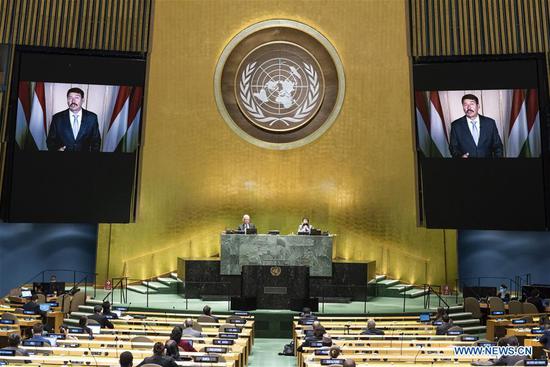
279 84
275 271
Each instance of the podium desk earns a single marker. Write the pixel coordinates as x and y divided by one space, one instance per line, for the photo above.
276 250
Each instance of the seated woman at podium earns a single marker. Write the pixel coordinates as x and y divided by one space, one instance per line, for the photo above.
304 227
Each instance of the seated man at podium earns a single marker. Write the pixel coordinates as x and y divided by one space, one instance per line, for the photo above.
304 227
246 225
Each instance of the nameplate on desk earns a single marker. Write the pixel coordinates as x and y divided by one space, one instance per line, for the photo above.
535 362
238 321
469 338
519 321
29 313
223 342
208 359
76 330
437 323
32 343
7 322
241 313
317 344
330 362
455 332
321 352
275 290
7 353
232 329
497 312
3 363
537 330
57 336
53 304
308 332
306 321
108 317
486 344
228 336
220 350
120 308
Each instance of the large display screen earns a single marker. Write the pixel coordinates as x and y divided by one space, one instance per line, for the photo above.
73 136
492 123
78 117
481 141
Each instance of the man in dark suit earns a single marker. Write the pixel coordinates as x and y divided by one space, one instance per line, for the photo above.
101 319
246 224
75 129
474 135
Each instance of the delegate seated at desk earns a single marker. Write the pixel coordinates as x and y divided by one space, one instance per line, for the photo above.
246 224
304 227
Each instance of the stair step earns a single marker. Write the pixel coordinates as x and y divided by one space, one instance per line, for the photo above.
401 287
337 300
451 308
94 302
141 289
168 281
77 315
158 286
380 277
388 282
415 293
174 275
86 308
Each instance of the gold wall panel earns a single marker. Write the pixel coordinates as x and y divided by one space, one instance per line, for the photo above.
198 177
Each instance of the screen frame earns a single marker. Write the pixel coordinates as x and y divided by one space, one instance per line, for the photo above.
541 84
119 59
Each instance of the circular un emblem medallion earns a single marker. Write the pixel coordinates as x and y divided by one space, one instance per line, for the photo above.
275 271
279 84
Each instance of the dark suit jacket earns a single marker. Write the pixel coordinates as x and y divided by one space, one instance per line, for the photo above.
61 133
163 361
372 332
32 306
103 321
250 226
462 142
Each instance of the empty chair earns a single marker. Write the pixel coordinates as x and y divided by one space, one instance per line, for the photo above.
78 299
141 339
495 304
514 307
472 305
529 308
41 298
206 318
10 316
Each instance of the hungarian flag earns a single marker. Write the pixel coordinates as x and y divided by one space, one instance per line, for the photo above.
37 123
422 122
533 122
524 131
131 140
124 120
23 113
438 131
432 133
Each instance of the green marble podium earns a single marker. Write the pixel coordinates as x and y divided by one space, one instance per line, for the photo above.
276 250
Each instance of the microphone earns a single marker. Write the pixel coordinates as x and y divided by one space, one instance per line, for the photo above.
417 353
402 333
93 356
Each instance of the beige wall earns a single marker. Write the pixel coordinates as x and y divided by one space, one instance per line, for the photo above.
198 176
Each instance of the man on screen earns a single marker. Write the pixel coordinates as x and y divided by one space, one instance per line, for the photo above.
75 129
474 135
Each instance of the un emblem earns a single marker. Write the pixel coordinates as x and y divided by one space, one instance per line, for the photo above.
275 271
279 84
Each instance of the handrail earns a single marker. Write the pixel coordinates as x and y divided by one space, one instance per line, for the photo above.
515 285
430 289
